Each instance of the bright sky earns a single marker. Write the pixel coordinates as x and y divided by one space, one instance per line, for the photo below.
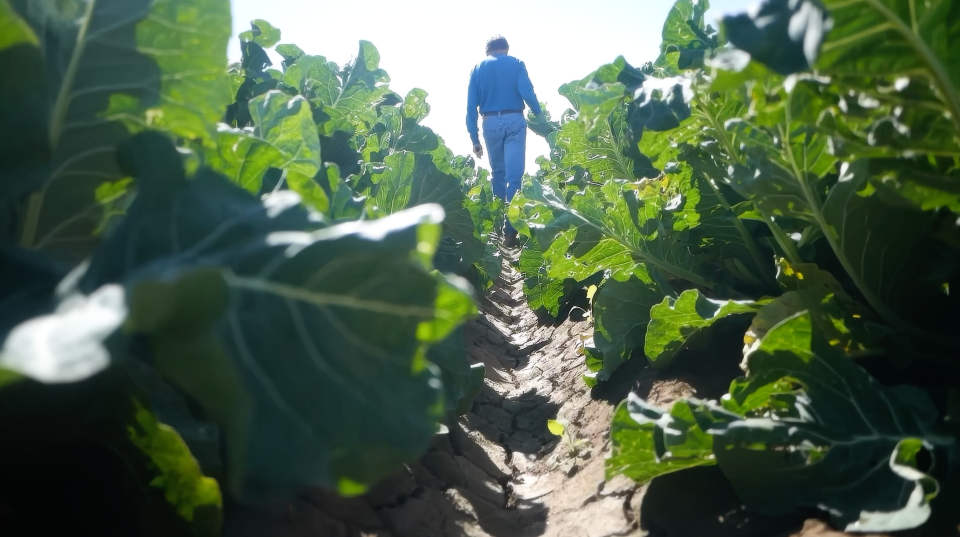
431 45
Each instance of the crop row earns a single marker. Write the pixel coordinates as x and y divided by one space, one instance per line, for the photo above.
793 177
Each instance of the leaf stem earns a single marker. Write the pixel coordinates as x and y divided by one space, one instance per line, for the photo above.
32 219
58 115
783 240
786 244
814 202
940 76
62 104
744 234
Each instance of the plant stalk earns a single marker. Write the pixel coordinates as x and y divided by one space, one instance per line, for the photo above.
58 115
744 234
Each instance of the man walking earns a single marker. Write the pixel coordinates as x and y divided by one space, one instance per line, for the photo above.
499 85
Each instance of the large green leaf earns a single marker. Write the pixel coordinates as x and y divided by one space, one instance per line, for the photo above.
621 312
898 38
807 427
540 290
262 33
602 157
285 137
398 132
113 69
886 271
307 348
408 180
641 451
782 34
624 227
674 322
850 435
685 38
415 105
347 97
785 161
841 321
924 184
892 91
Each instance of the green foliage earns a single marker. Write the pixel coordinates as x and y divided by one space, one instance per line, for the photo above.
815 139
184 485
641 450
805 427
673 323
261 291
621 312
116 69
540 290
285 137
262 33
784 35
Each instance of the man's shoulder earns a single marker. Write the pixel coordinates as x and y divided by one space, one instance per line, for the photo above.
497 60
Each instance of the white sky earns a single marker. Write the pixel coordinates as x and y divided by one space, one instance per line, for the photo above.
432 45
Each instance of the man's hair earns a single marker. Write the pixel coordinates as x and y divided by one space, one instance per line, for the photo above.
497 42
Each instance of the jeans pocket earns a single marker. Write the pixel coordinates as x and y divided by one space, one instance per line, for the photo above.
517 124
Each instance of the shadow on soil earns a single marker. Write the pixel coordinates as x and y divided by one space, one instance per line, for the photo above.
518 423
706 370
701 502
428 499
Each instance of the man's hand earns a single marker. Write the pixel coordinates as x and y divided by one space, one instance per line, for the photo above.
478 150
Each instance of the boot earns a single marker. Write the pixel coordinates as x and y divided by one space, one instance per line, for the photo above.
510 239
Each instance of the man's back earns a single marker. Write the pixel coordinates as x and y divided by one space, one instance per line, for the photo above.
499 82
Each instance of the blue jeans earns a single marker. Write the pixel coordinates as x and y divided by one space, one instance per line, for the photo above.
506 138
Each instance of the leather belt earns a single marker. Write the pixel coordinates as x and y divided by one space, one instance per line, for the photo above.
501 113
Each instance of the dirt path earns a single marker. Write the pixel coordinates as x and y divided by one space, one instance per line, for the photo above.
505 475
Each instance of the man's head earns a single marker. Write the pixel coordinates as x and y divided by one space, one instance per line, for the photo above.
497 45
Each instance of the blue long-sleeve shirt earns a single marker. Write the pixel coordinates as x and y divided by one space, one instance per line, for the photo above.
499 82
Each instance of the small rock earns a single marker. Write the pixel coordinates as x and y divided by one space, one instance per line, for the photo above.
522 462
570 467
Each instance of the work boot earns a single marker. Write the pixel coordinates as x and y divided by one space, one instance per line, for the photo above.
510 239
